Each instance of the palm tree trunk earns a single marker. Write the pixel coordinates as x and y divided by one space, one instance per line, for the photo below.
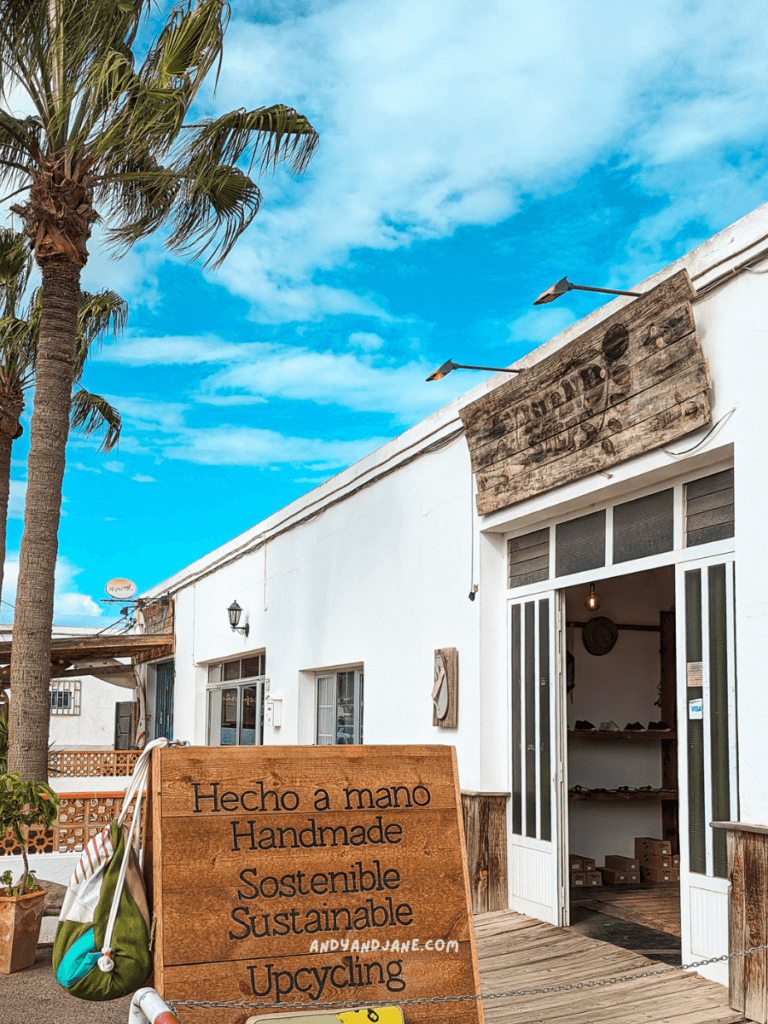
31 657
6 443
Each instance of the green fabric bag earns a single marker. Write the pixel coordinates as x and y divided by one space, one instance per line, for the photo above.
130 939
102 946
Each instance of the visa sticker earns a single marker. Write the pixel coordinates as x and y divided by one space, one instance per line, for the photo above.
695 709
363 1015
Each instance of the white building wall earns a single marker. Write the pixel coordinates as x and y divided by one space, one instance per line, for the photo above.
737 331
381 579
94 727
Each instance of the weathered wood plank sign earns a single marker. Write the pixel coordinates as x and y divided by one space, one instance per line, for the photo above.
312 874
633 383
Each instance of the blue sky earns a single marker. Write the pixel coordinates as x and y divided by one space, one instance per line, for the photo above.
473 151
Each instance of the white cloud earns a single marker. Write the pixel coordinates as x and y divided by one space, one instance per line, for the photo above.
71 607
447 113
252 446
254 372
16 499
166 434
135 275
141 479
171 350
365 341
114 466
83 468
539 325
148 413
328 378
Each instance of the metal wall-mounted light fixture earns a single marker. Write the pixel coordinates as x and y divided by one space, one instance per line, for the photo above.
234 611
592 601
449 365
564 285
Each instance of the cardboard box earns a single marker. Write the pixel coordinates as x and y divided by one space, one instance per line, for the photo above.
645 845
622 863
659 861
594 877
586 863
574 863
618 876
578 878
659 874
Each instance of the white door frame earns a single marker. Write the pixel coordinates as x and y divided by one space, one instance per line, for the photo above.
704 896
537 875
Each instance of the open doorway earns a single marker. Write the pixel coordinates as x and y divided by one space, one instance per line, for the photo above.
622 749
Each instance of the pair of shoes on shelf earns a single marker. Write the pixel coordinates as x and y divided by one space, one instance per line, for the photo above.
634 727
584 726
609 727
660 726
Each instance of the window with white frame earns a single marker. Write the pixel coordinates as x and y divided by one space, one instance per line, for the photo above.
696 512
339 706
65 697
236 701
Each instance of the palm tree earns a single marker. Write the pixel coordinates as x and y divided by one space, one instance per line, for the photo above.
107 139
19 337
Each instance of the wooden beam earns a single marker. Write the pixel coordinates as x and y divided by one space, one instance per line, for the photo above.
93 670
67 651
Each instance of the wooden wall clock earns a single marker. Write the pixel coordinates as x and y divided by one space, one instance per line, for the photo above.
445 691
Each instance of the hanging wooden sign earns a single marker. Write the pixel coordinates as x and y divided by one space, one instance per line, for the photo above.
311 874
633 383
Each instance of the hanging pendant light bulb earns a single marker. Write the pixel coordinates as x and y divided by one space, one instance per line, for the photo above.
592 603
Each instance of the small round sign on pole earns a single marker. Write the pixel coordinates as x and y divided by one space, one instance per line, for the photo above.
121 589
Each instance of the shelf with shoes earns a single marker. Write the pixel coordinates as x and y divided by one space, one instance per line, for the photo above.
622 734
623 793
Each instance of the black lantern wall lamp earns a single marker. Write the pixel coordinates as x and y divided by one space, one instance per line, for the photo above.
234 611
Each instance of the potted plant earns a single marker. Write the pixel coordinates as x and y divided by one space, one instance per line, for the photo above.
21 905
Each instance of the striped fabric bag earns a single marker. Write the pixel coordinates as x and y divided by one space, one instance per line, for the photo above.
102 947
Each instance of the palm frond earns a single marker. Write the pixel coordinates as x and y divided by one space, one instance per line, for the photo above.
19 145
272 135
15 268
119 128
208 206
98 314
188 46
17 353
91 414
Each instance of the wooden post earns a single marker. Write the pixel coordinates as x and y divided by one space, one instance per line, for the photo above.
485 831
747 917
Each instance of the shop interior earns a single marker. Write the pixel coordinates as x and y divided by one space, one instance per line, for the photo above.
622 748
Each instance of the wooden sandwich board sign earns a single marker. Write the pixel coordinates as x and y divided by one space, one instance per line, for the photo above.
310 874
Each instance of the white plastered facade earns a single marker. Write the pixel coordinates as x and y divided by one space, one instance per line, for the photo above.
374 569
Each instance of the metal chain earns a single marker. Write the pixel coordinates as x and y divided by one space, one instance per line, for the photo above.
231 1004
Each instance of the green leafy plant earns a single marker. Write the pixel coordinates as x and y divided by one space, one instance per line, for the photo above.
23 804
3 744
30 884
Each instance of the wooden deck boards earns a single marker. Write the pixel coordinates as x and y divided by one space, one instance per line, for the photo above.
518 952
657 907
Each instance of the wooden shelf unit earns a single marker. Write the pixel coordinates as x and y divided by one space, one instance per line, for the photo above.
646 794
622 734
